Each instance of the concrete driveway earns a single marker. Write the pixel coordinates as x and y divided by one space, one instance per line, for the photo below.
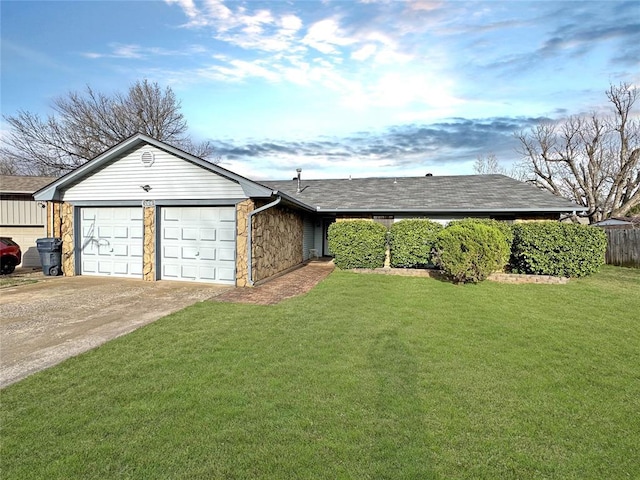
44 323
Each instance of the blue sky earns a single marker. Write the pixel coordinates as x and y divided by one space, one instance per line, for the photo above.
337 88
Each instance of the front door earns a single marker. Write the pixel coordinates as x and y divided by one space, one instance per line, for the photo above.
326 222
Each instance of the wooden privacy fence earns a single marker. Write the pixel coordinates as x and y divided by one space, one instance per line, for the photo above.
623 247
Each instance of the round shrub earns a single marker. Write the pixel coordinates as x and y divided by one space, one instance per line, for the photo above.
504 227
358 244
559 249
411 242
471 252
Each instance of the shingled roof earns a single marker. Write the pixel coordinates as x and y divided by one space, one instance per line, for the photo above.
18 184
435 194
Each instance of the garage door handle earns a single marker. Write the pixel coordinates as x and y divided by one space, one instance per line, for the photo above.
197 254
111 250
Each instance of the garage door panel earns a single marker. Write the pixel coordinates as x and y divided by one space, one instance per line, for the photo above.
207 274
189 253
112 241
170 214
189 233
209 215
171 271
227 254
227 274
228 215
120 232
208 234
227 235
121 250
105 232
171 233
89 266
196 234
207 253
191 215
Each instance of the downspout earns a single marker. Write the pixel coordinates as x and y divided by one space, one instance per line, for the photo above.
249 228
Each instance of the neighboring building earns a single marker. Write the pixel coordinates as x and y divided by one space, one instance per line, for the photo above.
144 209
21 217
619 222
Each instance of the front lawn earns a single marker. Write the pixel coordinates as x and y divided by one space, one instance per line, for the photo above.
366 377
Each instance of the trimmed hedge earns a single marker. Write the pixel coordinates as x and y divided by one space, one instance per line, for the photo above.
358 243
470 252
411 242
559 249
504 227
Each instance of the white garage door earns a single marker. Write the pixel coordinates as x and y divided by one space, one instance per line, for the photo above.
199 244
112 241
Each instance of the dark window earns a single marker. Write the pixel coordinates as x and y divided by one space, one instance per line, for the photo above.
386 220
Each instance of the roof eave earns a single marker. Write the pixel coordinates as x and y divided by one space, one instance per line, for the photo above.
453 210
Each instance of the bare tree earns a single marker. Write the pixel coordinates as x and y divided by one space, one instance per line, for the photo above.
7 167
593 160
86 124
488 164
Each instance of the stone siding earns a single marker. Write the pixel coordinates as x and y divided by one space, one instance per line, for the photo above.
68 256
277 241
54 230
242 218
149 246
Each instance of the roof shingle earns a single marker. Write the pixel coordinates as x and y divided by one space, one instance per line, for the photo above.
23 184
463 193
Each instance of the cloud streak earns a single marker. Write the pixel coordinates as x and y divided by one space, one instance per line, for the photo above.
398 149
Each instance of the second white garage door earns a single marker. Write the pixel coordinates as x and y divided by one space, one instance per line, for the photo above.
198 244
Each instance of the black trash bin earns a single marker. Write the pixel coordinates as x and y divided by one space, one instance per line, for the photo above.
50 250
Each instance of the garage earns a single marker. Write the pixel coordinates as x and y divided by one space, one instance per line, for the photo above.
21 217
112 241
198 244
145 209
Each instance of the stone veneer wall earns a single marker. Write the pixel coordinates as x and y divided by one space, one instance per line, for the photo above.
242 219
149 245
277 241
66 233
53 230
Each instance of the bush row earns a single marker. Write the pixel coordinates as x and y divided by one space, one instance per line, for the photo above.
469 250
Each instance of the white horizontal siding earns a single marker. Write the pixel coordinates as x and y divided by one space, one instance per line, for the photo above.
169 177
22 213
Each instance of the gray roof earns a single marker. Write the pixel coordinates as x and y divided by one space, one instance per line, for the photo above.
444 194
23 185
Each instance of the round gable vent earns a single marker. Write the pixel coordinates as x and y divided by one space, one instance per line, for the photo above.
147 158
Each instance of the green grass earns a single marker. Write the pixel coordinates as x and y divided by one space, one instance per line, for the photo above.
6 282
366 377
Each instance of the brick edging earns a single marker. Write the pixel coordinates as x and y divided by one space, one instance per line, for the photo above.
517 278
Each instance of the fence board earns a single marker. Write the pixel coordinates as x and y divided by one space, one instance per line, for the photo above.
623 247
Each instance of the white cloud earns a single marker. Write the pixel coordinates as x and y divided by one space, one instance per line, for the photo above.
325 36
365 52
